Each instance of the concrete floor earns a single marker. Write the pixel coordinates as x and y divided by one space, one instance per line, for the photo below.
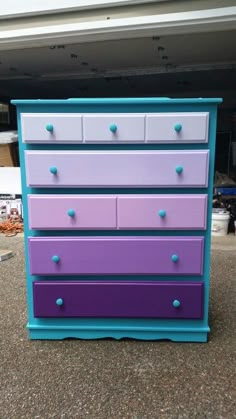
118 379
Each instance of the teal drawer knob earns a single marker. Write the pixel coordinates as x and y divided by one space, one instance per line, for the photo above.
162 213
179 169
49 127
55 259
113 128
178 127
174 258
176 303
59 302
71 212
53 170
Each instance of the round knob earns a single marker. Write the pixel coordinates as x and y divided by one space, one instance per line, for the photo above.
113 128
162 213
175 258
49 127
71 212
176 303
178 127
59 302
53 170
179 169
55 259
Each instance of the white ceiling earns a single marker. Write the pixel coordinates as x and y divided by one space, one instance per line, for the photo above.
166 65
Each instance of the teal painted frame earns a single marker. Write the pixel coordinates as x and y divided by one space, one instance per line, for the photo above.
145 329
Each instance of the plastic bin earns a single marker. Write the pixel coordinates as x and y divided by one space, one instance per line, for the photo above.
220 222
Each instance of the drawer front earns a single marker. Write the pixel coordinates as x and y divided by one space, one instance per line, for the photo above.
116 255
162 212
71 212
117 168
51 128
152 212
177 128
113 128
118 299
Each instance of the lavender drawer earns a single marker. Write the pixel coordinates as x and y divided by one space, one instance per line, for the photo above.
118 299
162 212
51 128
116 255
71 212
177 127
117 168
113 128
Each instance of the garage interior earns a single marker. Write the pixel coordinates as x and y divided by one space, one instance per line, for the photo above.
185 65
200 64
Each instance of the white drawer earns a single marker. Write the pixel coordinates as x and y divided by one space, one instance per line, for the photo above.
113 128
104 169
177 127
51 128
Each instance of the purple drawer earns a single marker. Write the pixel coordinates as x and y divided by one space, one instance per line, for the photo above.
173 300
189 127
113 128
116 255
117 168
162 212
74 212
51 128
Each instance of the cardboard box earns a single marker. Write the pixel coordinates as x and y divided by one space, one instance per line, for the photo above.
9 152
9 155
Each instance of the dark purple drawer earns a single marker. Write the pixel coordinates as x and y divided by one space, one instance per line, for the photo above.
177 300
116 255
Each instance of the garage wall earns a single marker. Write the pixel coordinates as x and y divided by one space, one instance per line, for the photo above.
166 17
14 8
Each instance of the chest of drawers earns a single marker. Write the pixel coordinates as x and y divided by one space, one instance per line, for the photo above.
117 204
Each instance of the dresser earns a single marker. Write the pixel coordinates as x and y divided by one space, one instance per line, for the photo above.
117 212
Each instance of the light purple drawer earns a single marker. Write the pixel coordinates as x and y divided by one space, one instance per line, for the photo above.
162 212
171 300
116 255
153 212
179 127
113 128
51 128
72 212
117 168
